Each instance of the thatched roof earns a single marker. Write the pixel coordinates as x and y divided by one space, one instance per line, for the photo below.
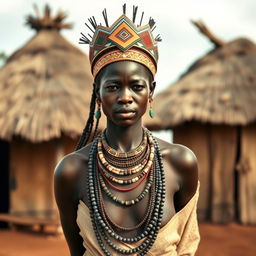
45 86
219 88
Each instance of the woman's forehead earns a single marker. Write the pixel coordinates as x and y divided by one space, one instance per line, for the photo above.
125 68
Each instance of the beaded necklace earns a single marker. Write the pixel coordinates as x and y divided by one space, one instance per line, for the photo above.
145 219
127 202
124 155
132 158
132 179
125 167
132 170
105 167
102 224
118 188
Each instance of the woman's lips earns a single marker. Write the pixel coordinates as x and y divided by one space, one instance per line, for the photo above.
125 114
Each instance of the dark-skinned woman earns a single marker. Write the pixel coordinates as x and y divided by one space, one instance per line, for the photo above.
125 192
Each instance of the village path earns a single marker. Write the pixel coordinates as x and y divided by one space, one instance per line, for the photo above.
229 240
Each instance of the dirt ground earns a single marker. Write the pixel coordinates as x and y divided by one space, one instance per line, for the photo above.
229 240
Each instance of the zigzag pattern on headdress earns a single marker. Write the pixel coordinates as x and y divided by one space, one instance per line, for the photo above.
123 34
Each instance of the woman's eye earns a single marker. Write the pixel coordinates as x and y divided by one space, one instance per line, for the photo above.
112 87
138 87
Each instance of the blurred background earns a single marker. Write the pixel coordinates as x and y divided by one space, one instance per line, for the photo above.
205 99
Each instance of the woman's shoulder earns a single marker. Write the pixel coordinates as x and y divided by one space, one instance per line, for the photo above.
184 162
179 155
70 176
71 166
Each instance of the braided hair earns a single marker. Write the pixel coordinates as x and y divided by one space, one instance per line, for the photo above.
86 135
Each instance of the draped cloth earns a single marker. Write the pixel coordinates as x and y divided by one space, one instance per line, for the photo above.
179 237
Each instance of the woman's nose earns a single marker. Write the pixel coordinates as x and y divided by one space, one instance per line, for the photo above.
125 96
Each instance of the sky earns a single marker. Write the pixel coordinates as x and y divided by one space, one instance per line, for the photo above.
182 43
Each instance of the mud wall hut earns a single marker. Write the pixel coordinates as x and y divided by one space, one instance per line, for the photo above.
45 90
211 109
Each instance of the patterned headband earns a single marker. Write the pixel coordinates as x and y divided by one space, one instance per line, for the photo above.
123 40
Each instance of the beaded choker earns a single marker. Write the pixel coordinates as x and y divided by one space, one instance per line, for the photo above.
112 169
124 155
106 176
120 163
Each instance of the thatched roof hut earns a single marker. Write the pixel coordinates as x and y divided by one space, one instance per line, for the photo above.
219 88
45 85
45 90
211 109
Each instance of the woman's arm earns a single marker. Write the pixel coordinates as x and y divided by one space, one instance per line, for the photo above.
66 179
185 163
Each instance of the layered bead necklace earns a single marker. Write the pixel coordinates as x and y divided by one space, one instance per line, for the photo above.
109 170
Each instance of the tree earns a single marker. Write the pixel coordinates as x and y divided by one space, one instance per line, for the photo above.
3 58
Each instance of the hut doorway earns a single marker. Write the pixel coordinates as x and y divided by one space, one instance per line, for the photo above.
4 179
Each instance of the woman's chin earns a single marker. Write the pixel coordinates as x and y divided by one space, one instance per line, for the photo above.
122 122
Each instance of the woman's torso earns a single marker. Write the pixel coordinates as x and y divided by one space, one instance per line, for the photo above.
179 234
131 216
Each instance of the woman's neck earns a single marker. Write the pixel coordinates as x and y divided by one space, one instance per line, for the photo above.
124 139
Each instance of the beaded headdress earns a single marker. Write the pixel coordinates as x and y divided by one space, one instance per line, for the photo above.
123 40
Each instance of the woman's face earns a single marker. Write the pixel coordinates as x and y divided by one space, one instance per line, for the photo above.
123 89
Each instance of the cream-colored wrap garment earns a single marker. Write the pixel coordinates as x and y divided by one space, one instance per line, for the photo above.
179 237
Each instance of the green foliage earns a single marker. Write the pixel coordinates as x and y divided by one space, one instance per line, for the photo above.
3 58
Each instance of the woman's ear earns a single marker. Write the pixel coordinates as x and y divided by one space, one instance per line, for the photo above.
152 88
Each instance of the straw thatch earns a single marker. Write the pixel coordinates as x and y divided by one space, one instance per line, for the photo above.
219 88
45 86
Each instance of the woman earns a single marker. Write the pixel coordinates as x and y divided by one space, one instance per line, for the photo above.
126 193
